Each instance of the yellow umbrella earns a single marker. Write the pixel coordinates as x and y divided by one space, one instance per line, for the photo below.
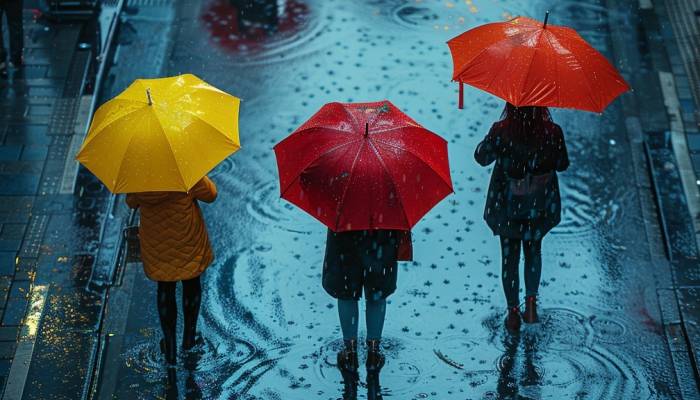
161 135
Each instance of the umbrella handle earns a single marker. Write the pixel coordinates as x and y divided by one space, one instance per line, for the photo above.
461 95
148 94
546 18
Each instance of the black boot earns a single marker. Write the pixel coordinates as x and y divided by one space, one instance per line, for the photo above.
374 364
348 366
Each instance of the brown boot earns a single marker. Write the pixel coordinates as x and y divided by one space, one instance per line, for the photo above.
513 319
530 314
375 362
348 366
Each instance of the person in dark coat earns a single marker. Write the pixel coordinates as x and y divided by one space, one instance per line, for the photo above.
523 202
357 262
12 9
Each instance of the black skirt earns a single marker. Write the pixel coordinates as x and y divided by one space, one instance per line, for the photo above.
358 260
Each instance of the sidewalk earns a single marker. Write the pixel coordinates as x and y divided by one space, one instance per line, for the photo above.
49 231
667 79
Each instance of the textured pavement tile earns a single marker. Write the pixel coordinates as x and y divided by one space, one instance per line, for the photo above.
34 153
10 153
7 350
28 134
5 367
8 333
12 231
14 312
7 262
5 283
20 288
20 184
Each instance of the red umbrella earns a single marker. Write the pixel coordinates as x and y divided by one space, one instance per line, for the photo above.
528 63
360 166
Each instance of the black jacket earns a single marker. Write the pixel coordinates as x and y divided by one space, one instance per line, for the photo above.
550 155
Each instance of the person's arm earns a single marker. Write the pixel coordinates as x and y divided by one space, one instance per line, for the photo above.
204 190
132 201
485 152
563 154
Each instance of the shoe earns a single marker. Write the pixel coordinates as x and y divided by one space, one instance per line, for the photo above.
374 364
169 351
191 341
530 314
513 319
348 366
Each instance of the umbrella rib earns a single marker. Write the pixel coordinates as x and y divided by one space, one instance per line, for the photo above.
529 67
283 191
590 89
391 179
172 151
417 157
503 65
345 192
121 163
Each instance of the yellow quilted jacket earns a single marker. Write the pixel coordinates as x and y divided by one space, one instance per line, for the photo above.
174 241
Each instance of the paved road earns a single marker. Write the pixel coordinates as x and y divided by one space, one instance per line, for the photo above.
271 331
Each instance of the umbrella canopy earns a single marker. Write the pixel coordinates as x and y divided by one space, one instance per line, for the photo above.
528 63
161 135
357 166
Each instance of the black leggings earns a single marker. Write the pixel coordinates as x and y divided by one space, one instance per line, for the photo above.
510 256
167 309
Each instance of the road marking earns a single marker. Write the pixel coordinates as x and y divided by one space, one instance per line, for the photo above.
25 347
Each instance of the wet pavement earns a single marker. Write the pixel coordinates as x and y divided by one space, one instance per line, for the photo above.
270 330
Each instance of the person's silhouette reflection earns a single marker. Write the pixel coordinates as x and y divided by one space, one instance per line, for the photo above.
507 387
192 390
531 376
256 14
171 392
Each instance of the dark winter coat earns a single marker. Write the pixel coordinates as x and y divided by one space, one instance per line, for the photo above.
514 160
361 259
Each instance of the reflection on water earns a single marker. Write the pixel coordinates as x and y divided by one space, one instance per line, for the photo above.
270 330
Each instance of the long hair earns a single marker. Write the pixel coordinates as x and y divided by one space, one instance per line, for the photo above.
526 140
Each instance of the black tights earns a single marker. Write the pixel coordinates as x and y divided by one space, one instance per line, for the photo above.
167 309
510 256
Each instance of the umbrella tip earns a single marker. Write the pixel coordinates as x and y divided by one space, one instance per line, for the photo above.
546 18
366 129
148 94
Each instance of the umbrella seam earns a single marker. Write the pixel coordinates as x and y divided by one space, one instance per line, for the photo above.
282 192
121 163
345 192
391 179
503 65
529 67
449 185
172 151
590 89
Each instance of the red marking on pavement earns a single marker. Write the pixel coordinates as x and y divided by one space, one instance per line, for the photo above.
225 24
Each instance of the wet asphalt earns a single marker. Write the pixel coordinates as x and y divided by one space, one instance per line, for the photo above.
269 329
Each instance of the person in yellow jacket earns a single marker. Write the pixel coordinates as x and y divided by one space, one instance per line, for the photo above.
175 247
